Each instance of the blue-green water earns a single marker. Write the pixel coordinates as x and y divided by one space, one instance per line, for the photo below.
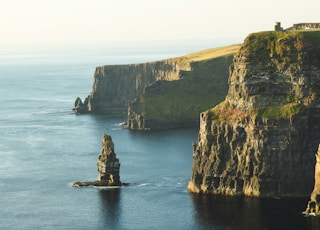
44 148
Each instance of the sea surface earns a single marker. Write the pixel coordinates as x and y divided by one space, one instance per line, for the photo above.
45 147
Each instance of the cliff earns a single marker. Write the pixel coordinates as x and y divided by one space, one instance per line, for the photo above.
313 206
191 76
170 104
260 141
116 85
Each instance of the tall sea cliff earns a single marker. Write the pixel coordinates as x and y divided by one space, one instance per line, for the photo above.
116 85
162 94
171 104
261 140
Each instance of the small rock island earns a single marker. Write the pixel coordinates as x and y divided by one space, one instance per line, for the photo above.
108 166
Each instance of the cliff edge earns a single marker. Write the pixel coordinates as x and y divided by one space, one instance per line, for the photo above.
260 141
162 94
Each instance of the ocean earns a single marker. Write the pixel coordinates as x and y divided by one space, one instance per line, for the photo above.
45 147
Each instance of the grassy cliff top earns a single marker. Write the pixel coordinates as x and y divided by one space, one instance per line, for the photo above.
204 55
213 53
281 41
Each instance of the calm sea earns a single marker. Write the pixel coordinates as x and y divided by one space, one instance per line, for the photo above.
44 148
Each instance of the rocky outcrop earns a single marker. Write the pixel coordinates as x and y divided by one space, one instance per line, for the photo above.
116 85
313 206
261 140
108 166
174 104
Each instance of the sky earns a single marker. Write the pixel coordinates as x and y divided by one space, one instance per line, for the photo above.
84 23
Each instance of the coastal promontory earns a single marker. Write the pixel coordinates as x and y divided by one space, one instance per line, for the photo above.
163 94
261 140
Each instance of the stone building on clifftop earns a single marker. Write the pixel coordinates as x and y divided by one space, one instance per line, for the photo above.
299 26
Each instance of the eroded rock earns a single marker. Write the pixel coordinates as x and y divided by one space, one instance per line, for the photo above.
108 166
261 140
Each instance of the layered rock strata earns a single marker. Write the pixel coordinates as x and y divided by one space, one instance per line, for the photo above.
108 166
164 94
171 104
313 206
117 85
261 140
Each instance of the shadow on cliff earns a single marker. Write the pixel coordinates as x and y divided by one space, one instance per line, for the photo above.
251 213
110 207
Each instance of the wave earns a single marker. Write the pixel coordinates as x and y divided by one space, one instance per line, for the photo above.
143 184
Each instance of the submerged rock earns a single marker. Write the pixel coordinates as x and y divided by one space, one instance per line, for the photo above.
108 166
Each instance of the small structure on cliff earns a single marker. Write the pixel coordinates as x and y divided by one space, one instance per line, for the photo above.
298 26
277 26
313 206
108 166
305 26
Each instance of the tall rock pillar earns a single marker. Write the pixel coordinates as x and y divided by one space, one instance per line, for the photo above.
108 163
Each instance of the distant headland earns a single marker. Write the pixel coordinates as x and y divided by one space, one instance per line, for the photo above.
169 93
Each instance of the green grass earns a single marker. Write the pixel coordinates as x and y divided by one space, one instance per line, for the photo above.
179 102
213 53
282 49
278 112
199 89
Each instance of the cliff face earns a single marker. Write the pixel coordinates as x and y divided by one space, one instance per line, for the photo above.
172 104
116 85
314 204
108 167
261 140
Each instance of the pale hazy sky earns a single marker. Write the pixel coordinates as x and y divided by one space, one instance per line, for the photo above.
111 21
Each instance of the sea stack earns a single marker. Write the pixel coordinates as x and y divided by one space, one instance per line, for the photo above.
108 166
108 163
314 203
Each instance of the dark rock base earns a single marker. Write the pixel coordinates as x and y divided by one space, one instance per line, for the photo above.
97 184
